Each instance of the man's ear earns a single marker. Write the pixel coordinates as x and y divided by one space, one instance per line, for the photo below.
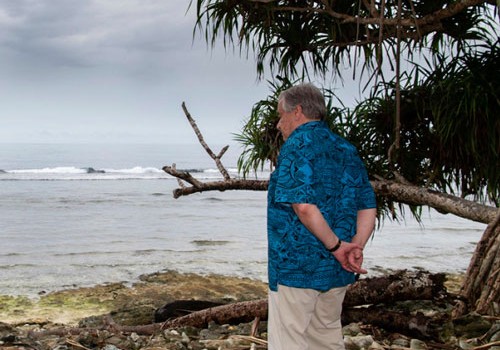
298 111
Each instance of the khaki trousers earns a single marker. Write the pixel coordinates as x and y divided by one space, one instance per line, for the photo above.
305 319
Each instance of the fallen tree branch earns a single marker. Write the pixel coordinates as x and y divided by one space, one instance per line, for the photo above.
183 175
442 202
232 184
400 286
402 193
417 325
397 191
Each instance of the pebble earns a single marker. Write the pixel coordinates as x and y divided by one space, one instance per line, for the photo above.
417 344
351 329
401 343
110 347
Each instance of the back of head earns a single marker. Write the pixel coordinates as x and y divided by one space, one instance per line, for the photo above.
308 96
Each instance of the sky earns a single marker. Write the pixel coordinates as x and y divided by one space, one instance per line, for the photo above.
88 71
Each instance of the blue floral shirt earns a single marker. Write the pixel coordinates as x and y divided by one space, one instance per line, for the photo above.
318 167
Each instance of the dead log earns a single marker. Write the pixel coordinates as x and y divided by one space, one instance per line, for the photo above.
412 324
232 313
180 308
400 286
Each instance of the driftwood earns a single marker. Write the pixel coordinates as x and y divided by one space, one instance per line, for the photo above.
400 286
180 308
412 324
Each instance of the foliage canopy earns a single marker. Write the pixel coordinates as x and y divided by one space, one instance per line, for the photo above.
446 118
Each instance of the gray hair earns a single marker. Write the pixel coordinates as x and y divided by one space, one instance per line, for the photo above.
308 96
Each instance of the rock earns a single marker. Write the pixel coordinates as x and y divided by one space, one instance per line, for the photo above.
91 170
110 347
359 342
185 339
471 326
363 341
136 305
376 346
351 329
134 336
7 334
418 344
495 337
129 304
400 342
464 344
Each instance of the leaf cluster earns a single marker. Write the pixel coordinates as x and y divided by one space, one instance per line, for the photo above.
450 129
303 37
450 126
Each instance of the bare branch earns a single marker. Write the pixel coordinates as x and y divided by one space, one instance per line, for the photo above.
443 202
401 192
217 160
184 175
226 185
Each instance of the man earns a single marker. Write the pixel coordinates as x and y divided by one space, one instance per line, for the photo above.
321 213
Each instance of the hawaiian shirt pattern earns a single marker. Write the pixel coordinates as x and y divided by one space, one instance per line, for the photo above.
319 167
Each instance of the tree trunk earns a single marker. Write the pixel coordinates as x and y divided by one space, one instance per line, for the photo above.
481 287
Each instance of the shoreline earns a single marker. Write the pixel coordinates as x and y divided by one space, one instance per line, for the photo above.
135 302
139 299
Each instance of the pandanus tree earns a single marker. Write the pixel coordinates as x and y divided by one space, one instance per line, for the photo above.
429 133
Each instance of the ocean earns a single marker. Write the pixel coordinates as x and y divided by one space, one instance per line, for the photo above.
75 215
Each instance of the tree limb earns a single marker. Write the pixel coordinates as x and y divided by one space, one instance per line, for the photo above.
216 158
398 192
442 202
182 175
432 20
226 185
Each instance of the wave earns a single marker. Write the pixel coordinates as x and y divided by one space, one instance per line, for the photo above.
97 173
84 170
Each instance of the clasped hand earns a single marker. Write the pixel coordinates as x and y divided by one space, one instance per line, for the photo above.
350 256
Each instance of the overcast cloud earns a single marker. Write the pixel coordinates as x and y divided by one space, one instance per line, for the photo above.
116 71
